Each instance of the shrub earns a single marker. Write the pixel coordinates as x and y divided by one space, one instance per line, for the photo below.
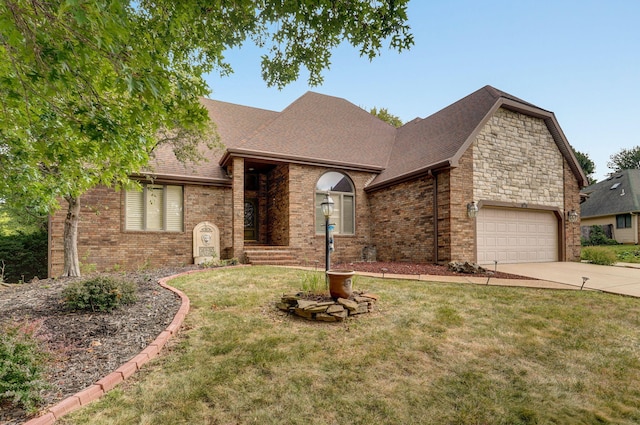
99 294
599 255
22 365
597 236
24 256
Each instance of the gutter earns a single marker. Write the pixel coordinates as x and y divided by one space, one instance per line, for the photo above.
424 171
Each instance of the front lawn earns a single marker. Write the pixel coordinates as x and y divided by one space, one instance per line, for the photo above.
431 353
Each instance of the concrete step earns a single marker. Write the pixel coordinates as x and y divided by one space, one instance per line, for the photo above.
271 256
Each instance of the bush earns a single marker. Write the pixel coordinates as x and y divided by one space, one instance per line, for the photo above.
24 256
598 236
599 255
99 294
22 365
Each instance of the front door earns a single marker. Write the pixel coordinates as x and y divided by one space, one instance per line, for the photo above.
251 220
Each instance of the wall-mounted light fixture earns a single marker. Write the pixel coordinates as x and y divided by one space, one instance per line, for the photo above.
572 216
472 209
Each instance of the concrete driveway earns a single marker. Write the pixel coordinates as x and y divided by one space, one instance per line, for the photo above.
619 279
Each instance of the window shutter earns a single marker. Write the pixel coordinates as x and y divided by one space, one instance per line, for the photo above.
155 205
134 204
174 209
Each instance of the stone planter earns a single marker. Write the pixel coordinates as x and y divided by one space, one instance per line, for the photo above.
340 283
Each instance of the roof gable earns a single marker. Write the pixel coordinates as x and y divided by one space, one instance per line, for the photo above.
325 130
440 140
618 194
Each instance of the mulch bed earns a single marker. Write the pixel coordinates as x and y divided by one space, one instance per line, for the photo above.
86 346
416 269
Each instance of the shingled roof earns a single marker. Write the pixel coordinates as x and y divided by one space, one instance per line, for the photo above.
439 140
320 129
618 194
326 130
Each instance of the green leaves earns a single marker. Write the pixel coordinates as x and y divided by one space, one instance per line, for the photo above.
88 89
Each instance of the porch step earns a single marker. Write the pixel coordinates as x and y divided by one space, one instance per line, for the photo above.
270 255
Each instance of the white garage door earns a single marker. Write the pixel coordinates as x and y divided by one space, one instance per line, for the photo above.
516 236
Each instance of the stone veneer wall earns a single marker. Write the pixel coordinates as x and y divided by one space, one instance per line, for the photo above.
103 243
302 234
278 206
516 160
402 225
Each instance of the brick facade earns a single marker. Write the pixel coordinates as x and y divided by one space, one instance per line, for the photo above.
278 203
302 233
104 245
572 245
513 160
402 222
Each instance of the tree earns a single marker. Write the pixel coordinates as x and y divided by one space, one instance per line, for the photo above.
587 165
89 89
626 159
384 115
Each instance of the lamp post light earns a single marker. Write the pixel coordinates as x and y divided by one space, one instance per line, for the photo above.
327 210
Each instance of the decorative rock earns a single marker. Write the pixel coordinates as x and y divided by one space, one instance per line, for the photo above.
303 313
306 304
360 300
324 317
342 315
351 305
362 308
336 308
466 267
327 311
283 306
316 309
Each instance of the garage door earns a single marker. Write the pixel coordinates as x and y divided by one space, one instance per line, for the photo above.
516 236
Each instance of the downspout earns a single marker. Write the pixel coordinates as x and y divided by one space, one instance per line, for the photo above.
435 216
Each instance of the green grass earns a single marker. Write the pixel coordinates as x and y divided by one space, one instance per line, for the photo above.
431 353
626 253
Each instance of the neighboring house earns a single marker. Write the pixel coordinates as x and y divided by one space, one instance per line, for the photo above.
401 194
615 204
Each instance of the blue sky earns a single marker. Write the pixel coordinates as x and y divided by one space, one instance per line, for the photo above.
579 59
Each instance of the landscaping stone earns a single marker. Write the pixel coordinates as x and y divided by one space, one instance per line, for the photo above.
466 267
327 311
351 305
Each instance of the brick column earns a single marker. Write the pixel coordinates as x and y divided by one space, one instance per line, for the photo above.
238 208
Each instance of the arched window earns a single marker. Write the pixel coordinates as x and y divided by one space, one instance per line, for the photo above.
341 190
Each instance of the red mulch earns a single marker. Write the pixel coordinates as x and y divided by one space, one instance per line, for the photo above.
416 269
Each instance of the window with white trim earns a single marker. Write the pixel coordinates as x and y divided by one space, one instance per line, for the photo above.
156 208
340 188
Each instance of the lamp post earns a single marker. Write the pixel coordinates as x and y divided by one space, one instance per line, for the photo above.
327 210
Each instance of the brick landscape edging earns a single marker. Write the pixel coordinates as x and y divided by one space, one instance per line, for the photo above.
102 386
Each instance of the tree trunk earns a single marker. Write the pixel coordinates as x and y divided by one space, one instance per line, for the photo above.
71 262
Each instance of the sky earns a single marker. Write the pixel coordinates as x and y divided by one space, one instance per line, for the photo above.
577 58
